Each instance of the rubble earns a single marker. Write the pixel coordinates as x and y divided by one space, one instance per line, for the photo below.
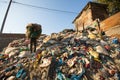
62 56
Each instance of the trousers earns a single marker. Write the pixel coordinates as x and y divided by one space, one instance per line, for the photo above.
33 42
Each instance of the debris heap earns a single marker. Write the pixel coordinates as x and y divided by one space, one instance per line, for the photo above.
62 56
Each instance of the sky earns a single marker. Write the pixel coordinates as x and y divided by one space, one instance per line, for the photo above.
53 15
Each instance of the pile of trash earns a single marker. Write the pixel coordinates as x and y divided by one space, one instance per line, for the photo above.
62 56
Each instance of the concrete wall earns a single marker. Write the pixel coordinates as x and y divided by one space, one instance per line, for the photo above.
6 38
84 20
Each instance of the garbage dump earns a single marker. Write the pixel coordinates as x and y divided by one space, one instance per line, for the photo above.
62 56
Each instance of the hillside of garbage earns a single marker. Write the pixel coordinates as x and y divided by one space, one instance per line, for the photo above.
66 55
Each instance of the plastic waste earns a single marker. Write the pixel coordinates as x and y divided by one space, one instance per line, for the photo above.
94 53
20 72
115 41
75 58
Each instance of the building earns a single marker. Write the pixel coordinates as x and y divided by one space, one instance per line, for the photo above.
89 14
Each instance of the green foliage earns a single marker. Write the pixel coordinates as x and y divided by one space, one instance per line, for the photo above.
113 5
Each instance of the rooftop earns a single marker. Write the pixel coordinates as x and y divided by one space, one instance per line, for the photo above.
89 3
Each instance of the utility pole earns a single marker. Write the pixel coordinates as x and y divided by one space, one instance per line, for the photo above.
3 23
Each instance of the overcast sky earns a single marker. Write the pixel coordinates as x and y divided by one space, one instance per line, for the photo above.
53 15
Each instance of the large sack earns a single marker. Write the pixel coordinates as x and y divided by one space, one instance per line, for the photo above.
37 27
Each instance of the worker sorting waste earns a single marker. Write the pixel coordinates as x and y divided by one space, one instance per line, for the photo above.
33 32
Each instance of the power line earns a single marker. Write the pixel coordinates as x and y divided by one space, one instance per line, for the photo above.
44 8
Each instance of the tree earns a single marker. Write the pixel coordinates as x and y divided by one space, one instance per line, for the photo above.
113 5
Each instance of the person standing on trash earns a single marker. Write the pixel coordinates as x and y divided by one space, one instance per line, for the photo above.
33 33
